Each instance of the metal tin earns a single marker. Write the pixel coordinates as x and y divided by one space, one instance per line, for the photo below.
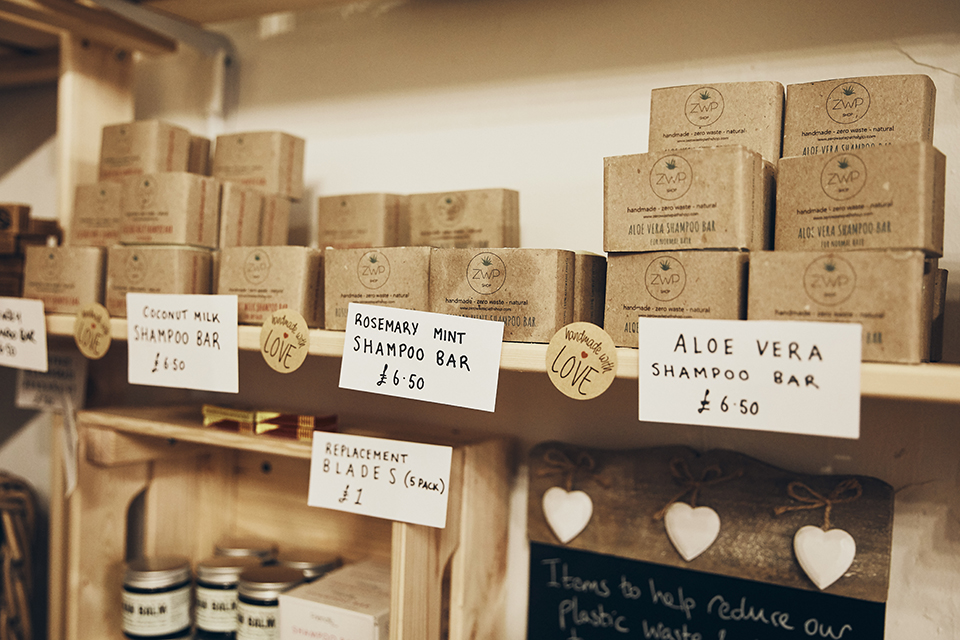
215 602
258 603
156 598
313 564
239 547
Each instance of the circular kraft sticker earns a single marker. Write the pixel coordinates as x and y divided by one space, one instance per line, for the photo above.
284 340
581 360
91 331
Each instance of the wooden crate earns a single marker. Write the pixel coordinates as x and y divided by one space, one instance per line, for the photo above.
153 481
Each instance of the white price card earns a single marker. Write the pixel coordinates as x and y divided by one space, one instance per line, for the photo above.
391 479
66 374
786 376
423 356
183 341
23 334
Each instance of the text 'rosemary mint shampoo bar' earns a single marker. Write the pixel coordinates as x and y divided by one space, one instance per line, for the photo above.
847 114
718 198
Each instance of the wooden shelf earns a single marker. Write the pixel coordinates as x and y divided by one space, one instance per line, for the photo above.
921 382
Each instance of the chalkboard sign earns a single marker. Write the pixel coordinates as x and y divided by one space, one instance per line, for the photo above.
577 594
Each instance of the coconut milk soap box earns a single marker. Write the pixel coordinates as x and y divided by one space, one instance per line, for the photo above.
65 278
831 116
718 115
889 197
171 208
718 198
154 269
476 218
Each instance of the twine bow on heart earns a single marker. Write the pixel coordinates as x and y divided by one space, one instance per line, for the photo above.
846 491
681 473
559 463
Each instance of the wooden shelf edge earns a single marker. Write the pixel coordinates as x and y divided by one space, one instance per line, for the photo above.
930 382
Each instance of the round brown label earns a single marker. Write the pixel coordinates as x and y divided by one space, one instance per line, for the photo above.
51 268
843 176
284 340
665 278
829 280
848 102
450 208
671 177
373 269
704 106
256 267
486 273
581 360
91 331
136 268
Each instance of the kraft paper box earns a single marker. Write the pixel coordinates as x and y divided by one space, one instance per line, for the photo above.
275 221
478 218
889 292
888 197
718 115
590 276
271 161
240 216
719 198
97 212
171 208
352 603
265 279
359 220
65 278
832 116
397 277
529 290
14 217
154 269
673 284
198 158
145 146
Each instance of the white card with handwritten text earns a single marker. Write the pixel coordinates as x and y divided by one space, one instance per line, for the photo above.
391 479
183 341
786 376
423 356
23 334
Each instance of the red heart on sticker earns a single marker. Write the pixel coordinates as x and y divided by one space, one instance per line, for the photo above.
285 335
93 325
583 354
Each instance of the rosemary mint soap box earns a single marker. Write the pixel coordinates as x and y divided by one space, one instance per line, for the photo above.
154 269
529 290
460 219
673 284
65 278
396 277
144 146
171 208
889 197
889 292
359 220
718 198
265 279
847 114
718 115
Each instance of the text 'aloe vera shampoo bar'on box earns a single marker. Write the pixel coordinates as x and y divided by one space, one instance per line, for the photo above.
718 115
847 114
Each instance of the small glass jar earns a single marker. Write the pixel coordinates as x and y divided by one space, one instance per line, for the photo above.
242 547
314 564
215 602
156 598
258 600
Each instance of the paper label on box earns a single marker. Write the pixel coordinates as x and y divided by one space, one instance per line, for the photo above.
183 341
23 334
785 376
422 356
66 374
391 479
91 331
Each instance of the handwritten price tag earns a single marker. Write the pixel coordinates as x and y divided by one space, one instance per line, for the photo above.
391 479
23 334
422 356
792 377
183 341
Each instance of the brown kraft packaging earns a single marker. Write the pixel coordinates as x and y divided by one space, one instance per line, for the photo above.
97 214
154 269
477 218
271 161
275 221
359 220
144 146
240 212
65 278
171 208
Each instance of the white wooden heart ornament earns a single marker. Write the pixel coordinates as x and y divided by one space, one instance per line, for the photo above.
691 531
567 512
824 555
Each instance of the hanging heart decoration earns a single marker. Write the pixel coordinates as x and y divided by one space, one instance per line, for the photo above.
566 511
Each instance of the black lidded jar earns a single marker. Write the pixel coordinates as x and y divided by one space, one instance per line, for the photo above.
258 600
156 598
215 602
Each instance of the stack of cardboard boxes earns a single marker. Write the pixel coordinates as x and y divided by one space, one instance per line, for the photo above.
19 234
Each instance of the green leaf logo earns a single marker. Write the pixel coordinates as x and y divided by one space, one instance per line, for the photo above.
849 90
705 95
843 163
671 164
373 258
829 266
485 261
665 265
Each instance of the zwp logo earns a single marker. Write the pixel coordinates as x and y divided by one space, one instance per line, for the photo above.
704 106
843 176
848 102
486 273
671 177
373 270
147 194
450 208
829 280
256 268
665 278
136 268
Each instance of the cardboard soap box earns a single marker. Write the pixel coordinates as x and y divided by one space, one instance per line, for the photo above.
240 216
891 293
171 208
460 219
673 284
271 161
97 212
144 146
590 277
529 290
265 279
889 197
65 278
718 198
154 269
359 220
847 114
352 603
718 115
275 221
396 277
198 158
